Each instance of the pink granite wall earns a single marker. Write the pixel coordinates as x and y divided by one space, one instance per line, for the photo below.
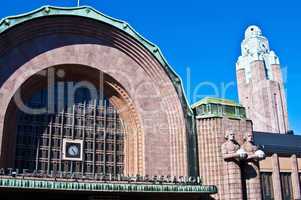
160 145
213 169
264 99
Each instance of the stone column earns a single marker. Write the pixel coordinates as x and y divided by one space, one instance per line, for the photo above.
295 178
276 178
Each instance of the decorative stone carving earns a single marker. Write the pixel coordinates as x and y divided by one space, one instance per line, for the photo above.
250 168
232 154
231 149
254 153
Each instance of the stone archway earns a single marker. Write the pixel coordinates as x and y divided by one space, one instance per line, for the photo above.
116 95
69 40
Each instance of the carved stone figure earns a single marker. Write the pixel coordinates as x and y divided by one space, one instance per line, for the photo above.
231 149
254 154
232 154
250 168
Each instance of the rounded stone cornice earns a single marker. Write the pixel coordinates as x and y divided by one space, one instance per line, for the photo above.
124 29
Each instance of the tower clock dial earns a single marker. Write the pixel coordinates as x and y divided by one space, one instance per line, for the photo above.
262 47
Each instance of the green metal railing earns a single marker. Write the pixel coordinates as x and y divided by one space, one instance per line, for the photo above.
21 183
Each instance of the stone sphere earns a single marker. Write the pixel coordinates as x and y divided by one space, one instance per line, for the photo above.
260 154
242 153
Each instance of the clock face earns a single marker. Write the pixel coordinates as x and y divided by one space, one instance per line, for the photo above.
262 47
73 150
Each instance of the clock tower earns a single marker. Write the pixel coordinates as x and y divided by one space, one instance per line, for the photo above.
260 84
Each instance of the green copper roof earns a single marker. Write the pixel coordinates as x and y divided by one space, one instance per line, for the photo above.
89 12
216 107
208 100
104 187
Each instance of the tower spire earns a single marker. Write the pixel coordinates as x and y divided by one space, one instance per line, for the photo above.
260 84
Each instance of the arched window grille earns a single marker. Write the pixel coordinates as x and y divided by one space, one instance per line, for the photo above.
93 122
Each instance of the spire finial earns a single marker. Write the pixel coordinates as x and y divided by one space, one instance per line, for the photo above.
252 31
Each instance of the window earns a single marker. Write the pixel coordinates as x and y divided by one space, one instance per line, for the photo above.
214 108
300 179
286 186
39 142
267 186
229 110
242 112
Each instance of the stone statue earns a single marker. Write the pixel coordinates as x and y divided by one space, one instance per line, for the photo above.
232 155
254 154
231 149
250 168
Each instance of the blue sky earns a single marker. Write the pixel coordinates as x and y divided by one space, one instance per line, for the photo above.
203 37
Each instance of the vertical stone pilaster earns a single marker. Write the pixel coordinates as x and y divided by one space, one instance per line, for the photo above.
258 73
295 178
276 178
277 74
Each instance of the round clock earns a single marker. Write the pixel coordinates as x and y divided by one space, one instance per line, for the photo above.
262 47
73 150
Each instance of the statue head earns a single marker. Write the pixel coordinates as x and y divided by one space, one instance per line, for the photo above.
249 137
230 135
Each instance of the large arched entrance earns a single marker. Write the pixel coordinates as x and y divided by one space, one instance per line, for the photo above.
70 103
68 124
147 94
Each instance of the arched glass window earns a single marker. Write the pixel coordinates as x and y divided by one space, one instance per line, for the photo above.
84 136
